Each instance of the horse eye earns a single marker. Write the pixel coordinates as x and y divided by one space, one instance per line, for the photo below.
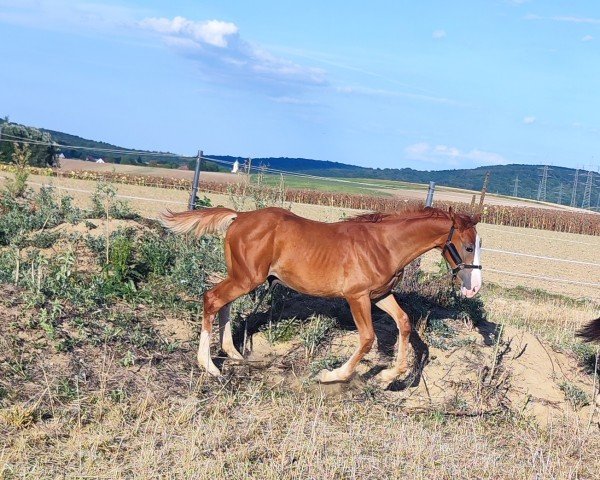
469 249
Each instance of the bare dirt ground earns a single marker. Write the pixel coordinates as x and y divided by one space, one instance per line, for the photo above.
527 375
151 201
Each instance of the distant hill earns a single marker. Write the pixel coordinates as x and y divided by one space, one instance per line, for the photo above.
559 185
502 177
73 146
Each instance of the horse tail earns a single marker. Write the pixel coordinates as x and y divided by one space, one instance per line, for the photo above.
209 220
591 331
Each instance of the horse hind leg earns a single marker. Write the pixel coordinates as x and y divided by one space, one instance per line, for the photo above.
361 312
214 300
226 335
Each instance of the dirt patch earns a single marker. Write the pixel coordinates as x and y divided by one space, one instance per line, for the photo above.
525 377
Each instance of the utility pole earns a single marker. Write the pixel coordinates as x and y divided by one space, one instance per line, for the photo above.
429 199
486 181
587 193
574 192
516 189
194 194
541 196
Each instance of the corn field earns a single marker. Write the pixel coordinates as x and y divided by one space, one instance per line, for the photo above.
528 217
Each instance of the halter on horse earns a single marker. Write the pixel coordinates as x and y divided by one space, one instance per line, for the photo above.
360 259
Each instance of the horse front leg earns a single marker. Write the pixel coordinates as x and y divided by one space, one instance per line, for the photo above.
361 312
391 307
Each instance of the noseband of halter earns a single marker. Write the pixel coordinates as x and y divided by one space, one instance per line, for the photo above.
456 258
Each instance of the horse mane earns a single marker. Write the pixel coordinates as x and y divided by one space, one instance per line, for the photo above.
463 220
377 217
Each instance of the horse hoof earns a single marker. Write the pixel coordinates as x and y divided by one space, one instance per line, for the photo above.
234 354
211 369
388 375
330 376
326 376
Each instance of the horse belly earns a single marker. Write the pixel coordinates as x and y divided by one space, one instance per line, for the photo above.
311 278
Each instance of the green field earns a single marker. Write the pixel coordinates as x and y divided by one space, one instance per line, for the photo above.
363 186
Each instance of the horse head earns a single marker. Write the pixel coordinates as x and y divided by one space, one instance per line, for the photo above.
462 251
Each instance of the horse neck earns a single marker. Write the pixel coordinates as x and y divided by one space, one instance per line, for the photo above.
407 239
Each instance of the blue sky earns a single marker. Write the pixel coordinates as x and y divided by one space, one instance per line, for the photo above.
427 85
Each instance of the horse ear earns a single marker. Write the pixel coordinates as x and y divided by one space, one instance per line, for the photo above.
476 219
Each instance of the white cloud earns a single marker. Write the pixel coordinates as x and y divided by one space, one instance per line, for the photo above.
224 56
417 150
378 92
212 32
451 156
293 101
529 120
565 18
587 38
438 34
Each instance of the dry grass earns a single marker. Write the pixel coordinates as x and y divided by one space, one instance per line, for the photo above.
113 407
555 318
161 418
252 431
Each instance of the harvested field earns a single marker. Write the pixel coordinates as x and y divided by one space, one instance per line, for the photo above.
67 165
405 190
446 194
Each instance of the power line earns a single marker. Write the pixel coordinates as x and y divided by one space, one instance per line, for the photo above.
516 189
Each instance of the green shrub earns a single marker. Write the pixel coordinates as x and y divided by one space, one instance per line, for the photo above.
44 239
574 395
313 334
156 254
104 203
282 331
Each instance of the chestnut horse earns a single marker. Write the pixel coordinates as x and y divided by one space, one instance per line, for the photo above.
360 259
